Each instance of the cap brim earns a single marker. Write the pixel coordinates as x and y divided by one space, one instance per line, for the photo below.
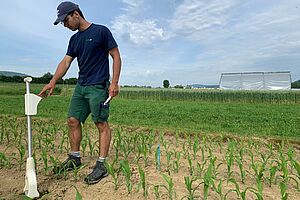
60 19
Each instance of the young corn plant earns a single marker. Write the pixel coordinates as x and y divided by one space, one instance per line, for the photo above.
156 191
64 139
151 140
242 171
21 150
127 173
5 161
176 163
84 145
191 167
169 187
169 155
229 161
259 191
218 189
283 189
125 147
237 190
145 154
200 167
76 170
78 194
196 147
114 174
207 181
189 186
272 172
142 183
185 149
45 160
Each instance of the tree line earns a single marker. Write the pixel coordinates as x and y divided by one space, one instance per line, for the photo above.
43 79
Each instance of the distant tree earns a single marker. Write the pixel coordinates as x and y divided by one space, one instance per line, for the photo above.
178 86
188 87
71 81
296 84
166 83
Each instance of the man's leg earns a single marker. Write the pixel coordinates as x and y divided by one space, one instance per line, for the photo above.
75 137
99 172
75 133
104 138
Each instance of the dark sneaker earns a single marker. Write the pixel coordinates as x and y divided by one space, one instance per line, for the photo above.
71 163
99 172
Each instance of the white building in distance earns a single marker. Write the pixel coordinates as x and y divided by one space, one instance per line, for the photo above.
256 81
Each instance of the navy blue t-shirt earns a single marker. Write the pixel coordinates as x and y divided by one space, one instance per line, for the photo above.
91 47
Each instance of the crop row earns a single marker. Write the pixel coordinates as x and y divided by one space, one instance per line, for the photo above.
208 165
276 97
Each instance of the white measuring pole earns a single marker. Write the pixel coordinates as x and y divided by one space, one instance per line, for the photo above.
29 133
31 102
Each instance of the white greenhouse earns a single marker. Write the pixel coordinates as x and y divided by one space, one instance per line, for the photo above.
256 81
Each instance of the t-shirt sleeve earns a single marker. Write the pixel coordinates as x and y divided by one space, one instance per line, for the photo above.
70 50
108 38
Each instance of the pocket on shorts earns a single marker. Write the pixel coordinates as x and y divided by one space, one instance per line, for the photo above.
104 111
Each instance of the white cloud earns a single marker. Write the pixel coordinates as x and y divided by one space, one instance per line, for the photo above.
194 17
135 27
139 32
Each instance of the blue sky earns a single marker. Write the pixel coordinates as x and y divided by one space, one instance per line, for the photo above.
185 42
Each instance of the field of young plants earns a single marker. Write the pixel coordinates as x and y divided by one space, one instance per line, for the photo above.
161 148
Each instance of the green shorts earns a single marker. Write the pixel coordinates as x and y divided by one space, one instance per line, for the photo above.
90 99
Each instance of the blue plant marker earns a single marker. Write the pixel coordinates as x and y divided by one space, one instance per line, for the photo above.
158 158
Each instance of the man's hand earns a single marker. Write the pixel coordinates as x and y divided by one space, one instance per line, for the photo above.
50 86
113 89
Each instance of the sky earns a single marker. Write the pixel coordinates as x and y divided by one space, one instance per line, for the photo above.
183 41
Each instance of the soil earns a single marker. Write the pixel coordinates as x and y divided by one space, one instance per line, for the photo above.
51 186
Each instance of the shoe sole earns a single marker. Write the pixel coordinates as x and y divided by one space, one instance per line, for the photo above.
96 181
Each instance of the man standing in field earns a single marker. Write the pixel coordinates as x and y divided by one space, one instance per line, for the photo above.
91 45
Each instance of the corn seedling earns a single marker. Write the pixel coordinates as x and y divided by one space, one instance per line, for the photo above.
127 173
156 191
145 154
189 186
142 182
176 162
45 160
259 191
4 161
83 145
272 171
242 171
237 190
151 140
229 162
283 188
219 191
207 181
169 187
196 147
185 149
78 194
76 170
191 167
21 151
114 174
200 168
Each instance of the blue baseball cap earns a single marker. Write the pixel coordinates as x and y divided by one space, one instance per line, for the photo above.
63 9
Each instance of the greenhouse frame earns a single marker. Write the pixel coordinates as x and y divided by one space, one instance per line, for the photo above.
256 81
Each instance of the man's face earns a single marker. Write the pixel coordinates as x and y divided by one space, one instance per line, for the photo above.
71 21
